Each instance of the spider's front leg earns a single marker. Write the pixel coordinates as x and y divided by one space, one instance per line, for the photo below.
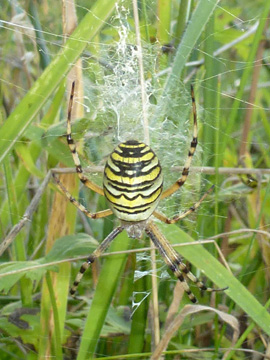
97 215
73 150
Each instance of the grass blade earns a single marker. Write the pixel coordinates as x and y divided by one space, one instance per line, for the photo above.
193 31
212 268
36 97
106 286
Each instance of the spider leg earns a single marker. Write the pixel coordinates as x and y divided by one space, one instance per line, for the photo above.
73 150
185 213
96 254
174 262
78 205
180 182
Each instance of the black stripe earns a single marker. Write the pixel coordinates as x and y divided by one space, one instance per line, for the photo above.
185 171
79 168
185 270
132 142
69 140
173 267
119 173
203 287
82 269
137 171
132 213
117 205
129 165
90 259
181 278
150 170
138 167
134 197
194 142
134 166
132 153
131 185
124 189
135 145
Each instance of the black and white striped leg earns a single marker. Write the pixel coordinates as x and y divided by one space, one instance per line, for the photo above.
91 258
73 150
78 205
185 213
174 262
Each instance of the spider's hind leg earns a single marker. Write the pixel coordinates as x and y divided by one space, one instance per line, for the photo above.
170 256
194 278
174 262
73 150
91 258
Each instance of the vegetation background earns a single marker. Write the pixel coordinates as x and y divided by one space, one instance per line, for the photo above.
129 71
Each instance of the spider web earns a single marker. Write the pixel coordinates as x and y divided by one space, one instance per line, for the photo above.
115 105
112 95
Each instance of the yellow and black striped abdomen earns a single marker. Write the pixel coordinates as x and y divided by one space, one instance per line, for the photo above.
133 181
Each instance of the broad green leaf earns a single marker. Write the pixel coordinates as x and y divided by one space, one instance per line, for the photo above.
12 272
65 247
70 246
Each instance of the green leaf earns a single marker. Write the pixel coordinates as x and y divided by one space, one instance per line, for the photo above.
70 246
215 271
12 272
64 248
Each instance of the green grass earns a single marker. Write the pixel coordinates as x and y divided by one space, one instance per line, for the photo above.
37 316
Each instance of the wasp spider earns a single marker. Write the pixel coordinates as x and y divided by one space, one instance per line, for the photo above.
133 187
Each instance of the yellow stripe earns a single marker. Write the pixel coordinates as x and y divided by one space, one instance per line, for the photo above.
122 201
140 189
139 145
132 181
128 214
132 160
